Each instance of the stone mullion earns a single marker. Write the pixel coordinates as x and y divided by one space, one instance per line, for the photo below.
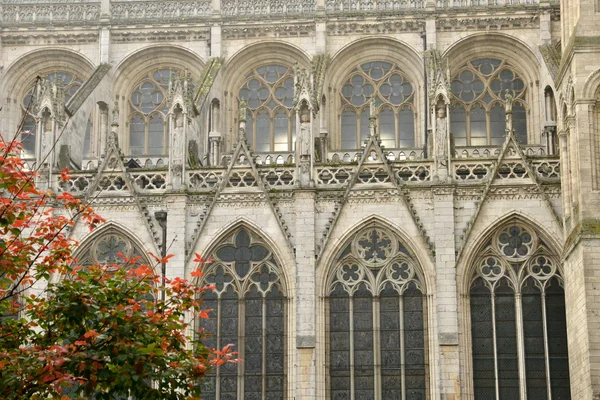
520 345
241 345
351 331
493 298
218 345
402 358
377 346
264 347
546 349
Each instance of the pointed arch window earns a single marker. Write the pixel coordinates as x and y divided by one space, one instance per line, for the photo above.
518 320
394 98
271 121
69 81
249 310
377 325
477 115
148 109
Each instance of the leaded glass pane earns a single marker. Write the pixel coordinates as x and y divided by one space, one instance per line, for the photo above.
137 135
485 81
266 89
520 123
407 128
387 128
275 345
478 126
349 130
339 344
533 332
364 384
506 338
458 125
391 373
414 344
263 131
557 341
229 335
482 337
391 90
253 352
281 131
156 134
497 124
28 137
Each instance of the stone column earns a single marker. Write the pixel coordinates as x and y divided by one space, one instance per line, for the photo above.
176 221
446 293
305 294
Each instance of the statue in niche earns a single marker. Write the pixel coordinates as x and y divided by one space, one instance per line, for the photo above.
304 141
177 151
441 135
46 134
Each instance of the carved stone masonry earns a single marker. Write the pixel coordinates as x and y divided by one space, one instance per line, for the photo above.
50 109
305 111
180 98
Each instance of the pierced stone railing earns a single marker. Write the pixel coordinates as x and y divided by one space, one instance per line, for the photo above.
546 168
348 156
242 8
160 10
149 181
371 5
331 176
205 179
494 151
49 12
412 172
278 177
79 183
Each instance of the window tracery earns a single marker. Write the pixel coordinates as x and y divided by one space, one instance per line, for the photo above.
377 331
148 109
69 81
394 99
110 248
517 302
271 121
477 116
248 292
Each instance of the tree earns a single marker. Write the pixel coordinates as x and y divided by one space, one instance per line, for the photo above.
87 332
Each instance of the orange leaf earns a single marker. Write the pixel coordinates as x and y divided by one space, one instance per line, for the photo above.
197 273
204 314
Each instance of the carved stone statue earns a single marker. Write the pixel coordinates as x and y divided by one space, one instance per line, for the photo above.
115 112
178 118
441 136
304 137
508 104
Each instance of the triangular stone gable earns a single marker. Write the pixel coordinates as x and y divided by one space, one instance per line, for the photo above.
511 164
112 178
373 156
241 173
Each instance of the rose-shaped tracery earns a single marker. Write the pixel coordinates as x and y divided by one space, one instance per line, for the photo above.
374 246
515 242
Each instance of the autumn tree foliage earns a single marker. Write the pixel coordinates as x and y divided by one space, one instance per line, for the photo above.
102 331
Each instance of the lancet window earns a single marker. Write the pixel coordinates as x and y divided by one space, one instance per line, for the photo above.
477 116
148 108
518 322
394 100
377 321
249 311
271 122
70 82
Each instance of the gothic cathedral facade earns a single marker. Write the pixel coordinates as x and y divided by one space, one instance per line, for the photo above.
401 197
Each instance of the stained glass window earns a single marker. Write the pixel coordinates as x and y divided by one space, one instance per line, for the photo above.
148 109
68 81
517 300
394 99
249 306
382 357
269 92
477 115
